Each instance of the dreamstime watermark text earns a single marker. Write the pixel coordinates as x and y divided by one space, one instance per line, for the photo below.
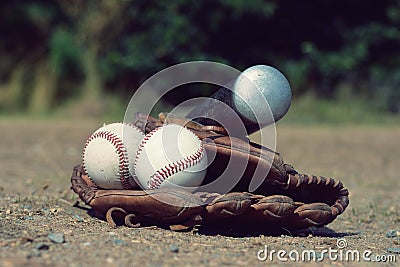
341 253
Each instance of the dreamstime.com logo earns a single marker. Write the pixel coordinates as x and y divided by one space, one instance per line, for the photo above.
341 254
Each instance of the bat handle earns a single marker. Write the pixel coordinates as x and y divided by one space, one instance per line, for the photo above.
219 110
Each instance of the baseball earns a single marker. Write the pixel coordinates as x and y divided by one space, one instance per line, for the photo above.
109 154
170 156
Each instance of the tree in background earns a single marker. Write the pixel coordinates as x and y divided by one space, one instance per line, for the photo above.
53 52
24 68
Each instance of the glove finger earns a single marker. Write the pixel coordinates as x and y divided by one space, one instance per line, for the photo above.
315 214
275 207
231 204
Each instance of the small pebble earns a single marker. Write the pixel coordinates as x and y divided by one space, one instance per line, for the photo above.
118 241
27 207
78 218
53 210
392 233
394 250
41 246
57 238
174 248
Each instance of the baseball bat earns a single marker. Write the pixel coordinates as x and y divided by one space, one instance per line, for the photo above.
259 96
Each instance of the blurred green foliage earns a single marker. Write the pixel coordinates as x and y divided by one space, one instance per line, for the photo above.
88 48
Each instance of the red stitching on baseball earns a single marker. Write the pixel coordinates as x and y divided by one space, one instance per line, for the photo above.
162 174
123 171
143 143
133 126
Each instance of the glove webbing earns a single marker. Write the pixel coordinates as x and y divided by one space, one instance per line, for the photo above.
324 191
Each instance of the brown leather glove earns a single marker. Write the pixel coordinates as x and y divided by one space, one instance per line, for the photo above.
285 199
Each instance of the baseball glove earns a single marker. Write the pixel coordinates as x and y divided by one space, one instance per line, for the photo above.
285 199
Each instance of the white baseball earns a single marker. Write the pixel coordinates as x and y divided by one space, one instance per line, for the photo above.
109 155
170 156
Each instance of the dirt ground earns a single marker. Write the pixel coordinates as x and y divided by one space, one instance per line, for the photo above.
41 226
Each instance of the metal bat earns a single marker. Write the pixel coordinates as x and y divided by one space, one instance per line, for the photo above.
259 96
